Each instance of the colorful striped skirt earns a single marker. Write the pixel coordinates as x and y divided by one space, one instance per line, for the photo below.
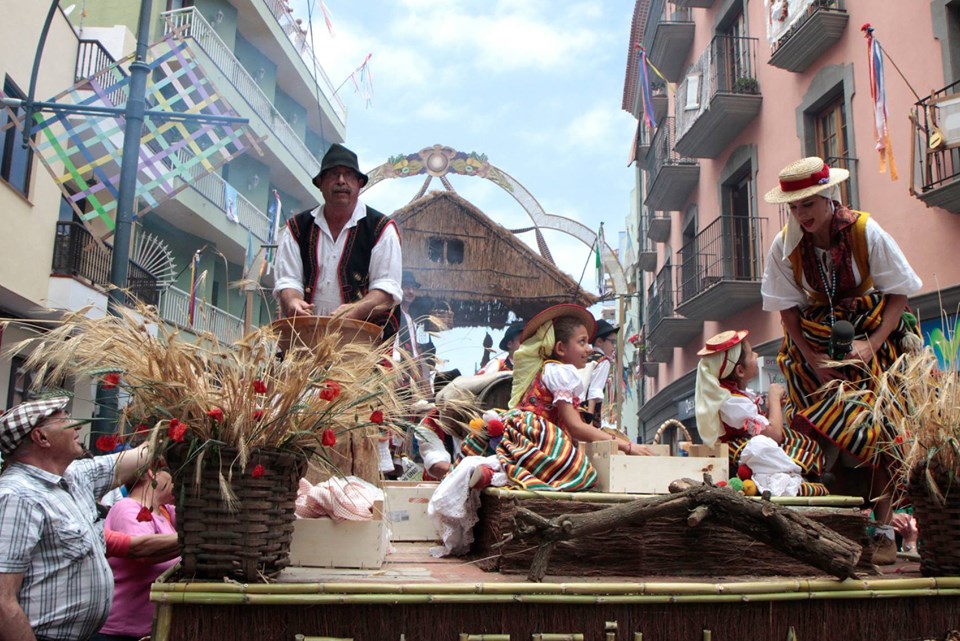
810 408
804 451
538 455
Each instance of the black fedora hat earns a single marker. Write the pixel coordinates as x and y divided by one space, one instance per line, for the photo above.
604 329
510 333
339 156
409 280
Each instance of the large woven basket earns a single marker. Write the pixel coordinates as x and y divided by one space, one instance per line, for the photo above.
938 524
249 540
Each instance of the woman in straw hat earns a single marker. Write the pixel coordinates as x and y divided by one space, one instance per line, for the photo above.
832 264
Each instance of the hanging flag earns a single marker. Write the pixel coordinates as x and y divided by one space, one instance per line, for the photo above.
600 283
878 93
230 202
248 255
194 276
646 91
363 85
326 17
274 213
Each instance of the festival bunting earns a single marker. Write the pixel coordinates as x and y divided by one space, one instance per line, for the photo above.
274 215
83 154
878 94
599 261
326 18
194 278
646 91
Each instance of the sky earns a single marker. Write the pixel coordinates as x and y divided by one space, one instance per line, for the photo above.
536 85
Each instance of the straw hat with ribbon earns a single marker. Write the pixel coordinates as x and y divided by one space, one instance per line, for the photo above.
718 359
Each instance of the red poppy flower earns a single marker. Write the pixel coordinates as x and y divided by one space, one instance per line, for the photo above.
216 414
141 428
377 417
329 438
107 442
897 440
257 471
177 430
494 428
257 415
330 390
111 380
259 387
144 515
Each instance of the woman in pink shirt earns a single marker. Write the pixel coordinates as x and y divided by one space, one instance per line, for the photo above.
147 510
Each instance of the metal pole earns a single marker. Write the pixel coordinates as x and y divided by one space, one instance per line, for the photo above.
107 400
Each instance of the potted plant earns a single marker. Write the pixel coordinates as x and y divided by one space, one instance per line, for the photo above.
235 423
745 84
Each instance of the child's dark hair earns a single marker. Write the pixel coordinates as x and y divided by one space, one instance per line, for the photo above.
564 327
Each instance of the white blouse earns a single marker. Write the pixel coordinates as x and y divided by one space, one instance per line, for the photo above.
564 382
742 413
891 272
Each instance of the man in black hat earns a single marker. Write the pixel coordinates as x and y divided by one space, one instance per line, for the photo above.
341 253
604 348
509 343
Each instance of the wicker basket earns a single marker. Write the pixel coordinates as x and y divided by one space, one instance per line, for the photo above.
939 525
250 542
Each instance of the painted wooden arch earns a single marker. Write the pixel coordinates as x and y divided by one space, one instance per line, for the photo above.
440 160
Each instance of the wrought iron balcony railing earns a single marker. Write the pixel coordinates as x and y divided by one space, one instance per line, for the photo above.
729 249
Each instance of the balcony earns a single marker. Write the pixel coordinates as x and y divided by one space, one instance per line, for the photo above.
694 4
721 268
935 178
669 33
191 24
820 24
643 143
174 308
719 97
666 329
647 258
657 226
77 255
214 188
660 100
673 178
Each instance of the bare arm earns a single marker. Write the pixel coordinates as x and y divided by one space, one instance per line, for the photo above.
866 349
16 626
292 303
131 462
580 431
154 548
364 308
775 412
791 322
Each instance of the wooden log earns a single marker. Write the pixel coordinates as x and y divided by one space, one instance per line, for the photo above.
778 527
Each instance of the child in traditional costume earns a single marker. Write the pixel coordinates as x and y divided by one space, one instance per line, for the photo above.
730 412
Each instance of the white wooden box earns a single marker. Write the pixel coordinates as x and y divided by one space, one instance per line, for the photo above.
619 473
327 543
406 510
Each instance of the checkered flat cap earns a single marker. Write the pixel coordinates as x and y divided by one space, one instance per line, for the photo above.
17 422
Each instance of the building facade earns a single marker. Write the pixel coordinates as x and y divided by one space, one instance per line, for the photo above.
741 88
256 54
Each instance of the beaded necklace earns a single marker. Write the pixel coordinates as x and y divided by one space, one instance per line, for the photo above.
831 289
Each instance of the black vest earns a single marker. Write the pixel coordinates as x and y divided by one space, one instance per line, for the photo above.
353 272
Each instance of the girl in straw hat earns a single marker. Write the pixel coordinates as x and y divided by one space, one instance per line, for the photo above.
538 449
832 264
729 412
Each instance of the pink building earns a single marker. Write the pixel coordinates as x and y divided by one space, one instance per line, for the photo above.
752 86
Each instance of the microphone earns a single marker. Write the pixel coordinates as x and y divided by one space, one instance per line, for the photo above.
841 340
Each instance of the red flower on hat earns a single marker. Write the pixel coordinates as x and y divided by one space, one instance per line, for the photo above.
144 515
216 414
107 442
330 390
177 430
329 438
111 380
494 428
377 417
257 415
259 387
257 471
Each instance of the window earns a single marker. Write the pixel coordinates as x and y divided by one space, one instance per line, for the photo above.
693 92
20 381
441 250
16 161
830 124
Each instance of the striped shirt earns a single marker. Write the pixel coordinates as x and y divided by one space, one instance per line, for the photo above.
50 533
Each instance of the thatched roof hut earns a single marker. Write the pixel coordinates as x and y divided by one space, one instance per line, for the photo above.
478 267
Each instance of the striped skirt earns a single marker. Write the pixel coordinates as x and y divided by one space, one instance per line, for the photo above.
804 451
538 455
811 409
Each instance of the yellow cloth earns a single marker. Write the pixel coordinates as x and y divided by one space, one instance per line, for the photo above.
710 395
528 359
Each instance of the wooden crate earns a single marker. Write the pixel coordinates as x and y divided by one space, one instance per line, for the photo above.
327 543
617 472
406 510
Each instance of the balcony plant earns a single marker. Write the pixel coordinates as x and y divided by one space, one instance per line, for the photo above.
235 423
746 84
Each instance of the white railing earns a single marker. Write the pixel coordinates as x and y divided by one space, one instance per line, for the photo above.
175 309
292 29
212 187
190 23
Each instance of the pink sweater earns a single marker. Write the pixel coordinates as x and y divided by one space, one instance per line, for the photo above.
132 612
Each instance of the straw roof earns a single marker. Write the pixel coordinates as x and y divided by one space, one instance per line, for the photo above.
480 268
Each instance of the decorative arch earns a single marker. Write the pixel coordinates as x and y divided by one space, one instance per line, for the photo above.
439 160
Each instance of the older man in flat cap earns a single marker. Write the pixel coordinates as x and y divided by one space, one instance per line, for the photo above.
342 253
55 582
